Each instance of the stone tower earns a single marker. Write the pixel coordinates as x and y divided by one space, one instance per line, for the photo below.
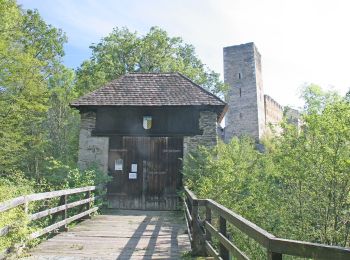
242 72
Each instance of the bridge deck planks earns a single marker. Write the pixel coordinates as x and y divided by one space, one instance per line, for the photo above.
120 235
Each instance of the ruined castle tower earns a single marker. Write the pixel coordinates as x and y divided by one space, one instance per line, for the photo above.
246 111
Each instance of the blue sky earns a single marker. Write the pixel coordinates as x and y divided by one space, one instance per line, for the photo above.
301 41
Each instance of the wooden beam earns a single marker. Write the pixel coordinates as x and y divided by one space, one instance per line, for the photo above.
48 212
10 204
207 220
234 250
223 231
253 231
61 223
188 220
4 231
190 195
308 250
187 212
53 194
212 251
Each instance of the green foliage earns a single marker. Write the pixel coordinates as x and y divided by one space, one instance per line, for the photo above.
29 53
61 176
315 169
299 188
36 121
123 52
11 187
62 122
238 176
315 98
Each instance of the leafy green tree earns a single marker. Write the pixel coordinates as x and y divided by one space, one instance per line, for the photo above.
314 165
29 53
62 122
298 188
123 52
315 98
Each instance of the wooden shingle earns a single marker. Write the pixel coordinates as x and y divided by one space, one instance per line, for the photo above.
150 89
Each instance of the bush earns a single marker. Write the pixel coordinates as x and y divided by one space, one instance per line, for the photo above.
13 186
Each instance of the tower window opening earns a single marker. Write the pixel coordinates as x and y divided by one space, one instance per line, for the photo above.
239 75
240 92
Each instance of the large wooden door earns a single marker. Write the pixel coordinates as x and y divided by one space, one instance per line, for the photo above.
145 171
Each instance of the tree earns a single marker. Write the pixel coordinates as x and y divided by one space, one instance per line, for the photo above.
298 188
123 52
62 122
314 164
30 51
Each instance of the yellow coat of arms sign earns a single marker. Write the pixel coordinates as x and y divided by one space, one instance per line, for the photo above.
147 122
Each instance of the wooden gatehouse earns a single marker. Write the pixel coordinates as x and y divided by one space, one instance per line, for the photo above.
138 127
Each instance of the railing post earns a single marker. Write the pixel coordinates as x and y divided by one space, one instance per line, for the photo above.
223 230
198 245
88 205
65 212
88 196
208 219
273 256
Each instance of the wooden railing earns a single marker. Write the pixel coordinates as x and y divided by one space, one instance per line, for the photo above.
64 205
201 232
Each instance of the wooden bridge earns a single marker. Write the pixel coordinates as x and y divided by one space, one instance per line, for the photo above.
131 234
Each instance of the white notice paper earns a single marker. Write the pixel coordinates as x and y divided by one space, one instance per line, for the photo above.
118 165
134 167
132 175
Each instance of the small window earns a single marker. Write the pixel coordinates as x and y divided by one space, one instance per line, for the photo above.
239 75
240 92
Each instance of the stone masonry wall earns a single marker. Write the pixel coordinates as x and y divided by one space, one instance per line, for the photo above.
259 92
207 123
92 149
273 115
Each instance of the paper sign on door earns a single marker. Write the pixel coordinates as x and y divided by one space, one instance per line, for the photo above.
118 165
134 167
132 175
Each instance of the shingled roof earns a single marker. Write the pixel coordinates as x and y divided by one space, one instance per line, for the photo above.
150 89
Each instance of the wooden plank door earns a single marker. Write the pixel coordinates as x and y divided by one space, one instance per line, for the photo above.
163 173
158 161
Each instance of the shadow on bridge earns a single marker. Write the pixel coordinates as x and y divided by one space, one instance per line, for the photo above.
121 235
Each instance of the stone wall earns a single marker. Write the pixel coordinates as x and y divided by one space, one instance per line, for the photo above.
242 72
92 149
273 115
293 117
207 123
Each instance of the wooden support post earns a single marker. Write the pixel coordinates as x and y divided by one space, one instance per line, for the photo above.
223 230
88 205
88 196
65 212
208 219
273 255
198 244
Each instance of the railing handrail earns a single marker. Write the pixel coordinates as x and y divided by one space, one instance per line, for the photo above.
62 207
275 246
12 203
